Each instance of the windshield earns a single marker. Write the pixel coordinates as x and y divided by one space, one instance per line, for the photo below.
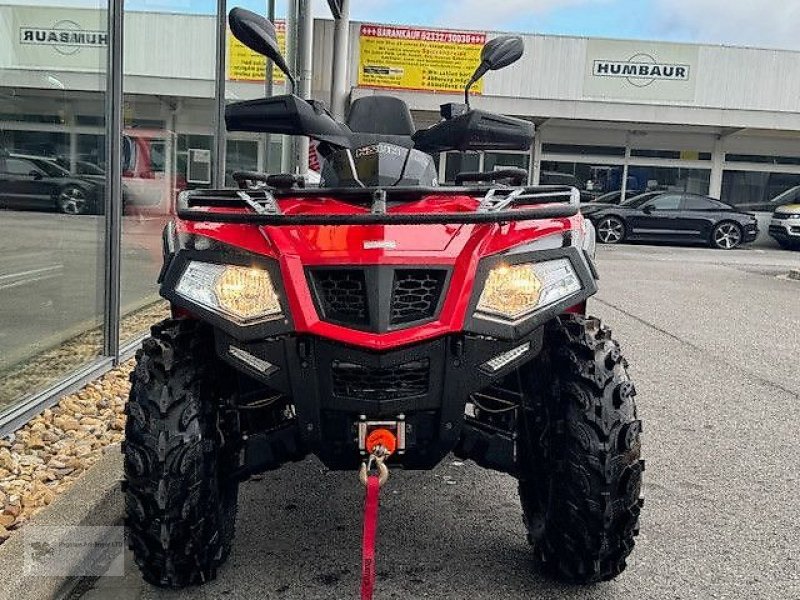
51 169
378 165
787 197
637 201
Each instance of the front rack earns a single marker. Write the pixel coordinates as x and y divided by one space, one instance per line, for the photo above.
496 206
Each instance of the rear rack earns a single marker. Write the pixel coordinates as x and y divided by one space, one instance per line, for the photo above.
496 206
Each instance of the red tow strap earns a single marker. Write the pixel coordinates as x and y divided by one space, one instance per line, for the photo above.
368 544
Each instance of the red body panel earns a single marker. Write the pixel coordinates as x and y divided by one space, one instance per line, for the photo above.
459 246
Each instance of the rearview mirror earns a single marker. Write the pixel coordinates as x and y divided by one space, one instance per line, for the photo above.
648 209
498 53
258 34
502 51
35 174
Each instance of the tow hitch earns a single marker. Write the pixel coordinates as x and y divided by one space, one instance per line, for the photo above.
369 436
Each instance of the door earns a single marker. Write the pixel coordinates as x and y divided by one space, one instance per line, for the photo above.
698 215
657 218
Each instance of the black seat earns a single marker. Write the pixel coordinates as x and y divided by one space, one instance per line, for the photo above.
380 114
376 119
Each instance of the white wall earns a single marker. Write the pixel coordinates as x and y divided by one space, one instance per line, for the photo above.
169 54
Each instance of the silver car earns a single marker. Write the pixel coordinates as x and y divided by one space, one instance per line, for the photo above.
785 225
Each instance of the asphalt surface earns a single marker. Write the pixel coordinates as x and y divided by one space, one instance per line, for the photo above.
51 277
713 339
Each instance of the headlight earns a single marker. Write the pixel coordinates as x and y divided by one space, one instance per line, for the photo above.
243 293
513 291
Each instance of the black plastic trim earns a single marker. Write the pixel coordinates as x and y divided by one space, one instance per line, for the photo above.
435 417
561 211
549 196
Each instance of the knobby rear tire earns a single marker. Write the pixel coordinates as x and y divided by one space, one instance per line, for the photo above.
181 512
580 467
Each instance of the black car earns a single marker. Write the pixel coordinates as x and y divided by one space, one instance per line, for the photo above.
37 183
673 216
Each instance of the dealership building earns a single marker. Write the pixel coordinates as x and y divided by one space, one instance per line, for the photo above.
711 119
610 114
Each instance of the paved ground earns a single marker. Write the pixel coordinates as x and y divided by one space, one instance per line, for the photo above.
51 273
714 344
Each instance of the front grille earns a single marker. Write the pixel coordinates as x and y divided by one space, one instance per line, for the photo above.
415 294
781 216
352 380
776 229
342 295
377 298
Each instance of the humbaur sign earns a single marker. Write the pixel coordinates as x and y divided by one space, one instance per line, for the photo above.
641 70
67 37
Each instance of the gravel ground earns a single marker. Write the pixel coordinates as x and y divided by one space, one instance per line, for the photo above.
42 459
714 355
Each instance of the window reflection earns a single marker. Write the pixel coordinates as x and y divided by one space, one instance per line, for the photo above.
52 197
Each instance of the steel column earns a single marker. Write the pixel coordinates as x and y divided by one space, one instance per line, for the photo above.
113 200
303 66
339 76
269 90
288 146
218 172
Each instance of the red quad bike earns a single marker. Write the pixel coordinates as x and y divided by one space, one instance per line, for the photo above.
380 306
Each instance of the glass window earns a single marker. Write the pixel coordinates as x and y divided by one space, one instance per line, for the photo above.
460 162
164 121
493 161
671 154
670 179
769 160
51 226
240 155
592 180
691 202
640 199
583 150
665 202
754 190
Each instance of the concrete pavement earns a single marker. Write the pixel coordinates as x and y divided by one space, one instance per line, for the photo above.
714 356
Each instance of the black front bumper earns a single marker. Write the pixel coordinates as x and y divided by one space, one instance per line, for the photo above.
332 386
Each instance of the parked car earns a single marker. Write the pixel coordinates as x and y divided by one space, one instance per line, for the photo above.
38 183
785 225
674 216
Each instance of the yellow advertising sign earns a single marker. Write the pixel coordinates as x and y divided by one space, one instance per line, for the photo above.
407 58
246 65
